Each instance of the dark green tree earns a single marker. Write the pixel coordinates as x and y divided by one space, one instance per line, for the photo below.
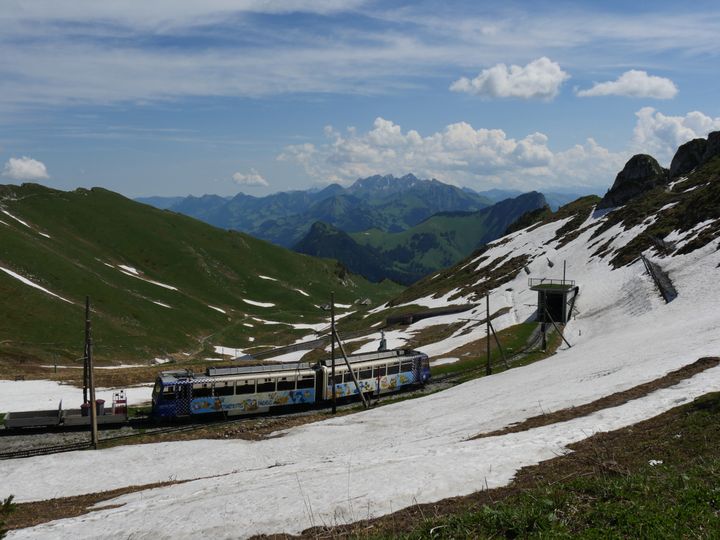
6 508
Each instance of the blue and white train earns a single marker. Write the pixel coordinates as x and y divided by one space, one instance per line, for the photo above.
258 389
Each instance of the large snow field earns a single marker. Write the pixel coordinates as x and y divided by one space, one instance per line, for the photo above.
414 451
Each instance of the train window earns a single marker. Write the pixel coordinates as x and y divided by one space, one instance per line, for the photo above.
393 369
223 390
380 371
406 366
202 392
245 387
286 385
366 373
348 377
306 382
168 393
268 385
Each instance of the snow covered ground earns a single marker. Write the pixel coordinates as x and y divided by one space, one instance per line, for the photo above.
46 395
414 451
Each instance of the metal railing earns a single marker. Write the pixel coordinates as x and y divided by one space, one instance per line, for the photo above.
536 282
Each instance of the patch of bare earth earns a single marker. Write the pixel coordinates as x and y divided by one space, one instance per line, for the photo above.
613 400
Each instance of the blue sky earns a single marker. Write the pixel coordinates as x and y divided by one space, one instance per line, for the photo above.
176 97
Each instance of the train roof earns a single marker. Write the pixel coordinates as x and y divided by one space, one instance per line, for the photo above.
170 377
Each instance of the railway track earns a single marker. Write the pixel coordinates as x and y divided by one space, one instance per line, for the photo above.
142 432
44 450
436 383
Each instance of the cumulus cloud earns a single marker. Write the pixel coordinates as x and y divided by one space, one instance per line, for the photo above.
459 154
660 135
253 178
25 168
634 83
540 79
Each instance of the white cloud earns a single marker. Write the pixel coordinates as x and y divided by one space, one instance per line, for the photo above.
459 154
253 178
634 83
660 135
539 79
25 168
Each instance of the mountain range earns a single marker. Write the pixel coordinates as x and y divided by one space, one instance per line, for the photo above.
435 243
378 202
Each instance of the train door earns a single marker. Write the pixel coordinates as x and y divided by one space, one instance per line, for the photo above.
183 395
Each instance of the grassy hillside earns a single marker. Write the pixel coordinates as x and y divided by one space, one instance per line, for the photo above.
436 243
73 244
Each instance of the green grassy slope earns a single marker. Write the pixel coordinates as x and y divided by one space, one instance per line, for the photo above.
92 232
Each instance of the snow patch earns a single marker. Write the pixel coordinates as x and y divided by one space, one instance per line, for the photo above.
45 395
228 351
8 214
129 269
258 304
34 285
217 309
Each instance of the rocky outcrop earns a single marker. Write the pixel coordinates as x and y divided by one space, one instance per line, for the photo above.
713 146
640 174
687 157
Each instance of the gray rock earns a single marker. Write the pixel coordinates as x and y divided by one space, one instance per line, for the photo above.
713 147
640 174
687 157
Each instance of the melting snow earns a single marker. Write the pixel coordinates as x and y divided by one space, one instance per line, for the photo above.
45 395
129 269
161 304
228 351
267 277
442 361
217 309
132 272
8 214
301 292
258 304
34 285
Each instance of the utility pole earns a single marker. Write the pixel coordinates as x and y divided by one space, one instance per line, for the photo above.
91 380
86 378
332 350
488 369
564 268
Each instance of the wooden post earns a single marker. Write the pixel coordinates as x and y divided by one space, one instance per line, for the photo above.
88 349
352 374
557 329
497 342
332 350
86 379
488 368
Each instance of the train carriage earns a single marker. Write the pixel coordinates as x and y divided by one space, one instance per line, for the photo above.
257 389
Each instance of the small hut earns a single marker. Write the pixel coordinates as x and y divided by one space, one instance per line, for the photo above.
555 298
